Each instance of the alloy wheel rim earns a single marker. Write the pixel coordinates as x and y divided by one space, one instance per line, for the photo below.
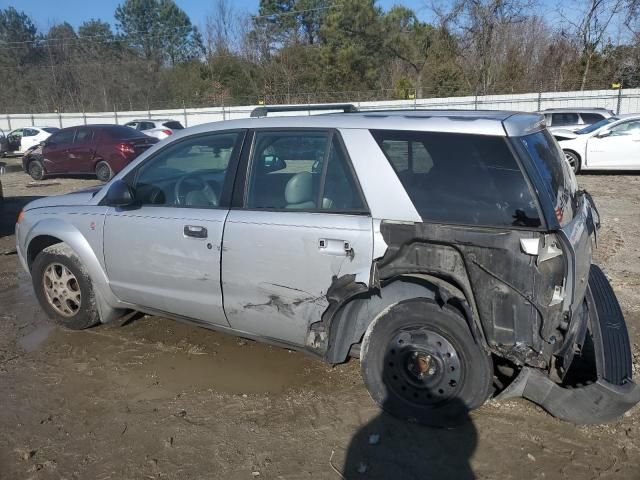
36 170
570 158
422 367
62 289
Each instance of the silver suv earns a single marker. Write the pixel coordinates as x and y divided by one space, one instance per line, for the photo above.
449 250
560 120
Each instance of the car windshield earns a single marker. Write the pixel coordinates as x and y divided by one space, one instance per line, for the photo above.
555 171
597 125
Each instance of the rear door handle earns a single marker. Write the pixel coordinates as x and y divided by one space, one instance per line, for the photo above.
195 231
340 248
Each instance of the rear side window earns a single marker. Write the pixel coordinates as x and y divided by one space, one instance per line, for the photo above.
121 132
173 125
301 170
84 135
459 178
564 118
590 118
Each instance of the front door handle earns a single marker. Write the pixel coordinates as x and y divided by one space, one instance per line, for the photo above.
195 231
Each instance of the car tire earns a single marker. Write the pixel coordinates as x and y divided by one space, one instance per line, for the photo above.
63 288
574 160
36 169
104 173
420 363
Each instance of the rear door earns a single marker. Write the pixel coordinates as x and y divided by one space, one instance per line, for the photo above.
29 139
164 255
620 149
82 150
300 222
55 153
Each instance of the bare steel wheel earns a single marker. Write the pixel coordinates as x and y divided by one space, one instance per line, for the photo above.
62 289
423 367
420 362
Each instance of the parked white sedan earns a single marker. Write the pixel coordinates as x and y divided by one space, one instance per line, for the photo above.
611 144
22 139
158 128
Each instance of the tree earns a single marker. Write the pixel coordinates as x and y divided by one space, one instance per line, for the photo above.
160 30
593 25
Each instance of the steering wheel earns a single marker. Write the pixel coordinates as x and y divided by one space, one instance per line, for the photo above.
205 189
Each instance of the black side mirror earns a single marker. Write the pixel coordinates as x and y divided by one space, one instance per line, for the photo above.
119 195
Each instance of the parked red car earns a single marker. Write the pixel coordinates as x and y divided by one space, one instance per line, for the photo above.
102 150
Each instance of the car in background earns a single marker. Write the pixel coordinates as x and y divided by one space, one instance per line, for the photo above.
102 150
158 128
611 144
571 119
22 139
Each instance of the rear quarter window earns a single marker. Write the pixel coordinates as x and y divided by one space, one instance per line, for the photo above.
460 178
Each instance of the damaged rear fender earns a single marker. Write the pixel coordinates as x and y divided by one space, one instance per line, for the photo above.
350 321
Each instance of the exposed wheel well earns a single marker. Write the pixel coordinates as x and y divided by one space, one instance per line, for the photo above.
352 320
38 244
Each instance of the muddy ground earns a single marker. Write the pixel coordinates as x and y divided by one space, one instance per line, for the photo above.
159 399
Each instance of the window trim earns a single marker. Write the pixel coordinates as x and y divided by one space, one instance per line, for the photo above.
514 153
241 188
225 197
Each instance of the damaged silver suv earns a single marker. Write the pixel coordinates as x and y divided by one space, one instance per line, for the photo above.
449 250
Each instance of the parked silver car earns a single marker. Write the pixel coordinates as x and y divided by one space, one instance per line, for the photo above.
449 250
561 120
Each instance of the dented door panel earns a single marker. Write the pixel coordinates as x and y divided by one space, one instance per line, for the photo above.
277 267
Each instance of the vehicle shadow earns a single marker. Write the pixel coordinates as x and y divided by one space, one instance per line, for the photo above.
9 209
390 448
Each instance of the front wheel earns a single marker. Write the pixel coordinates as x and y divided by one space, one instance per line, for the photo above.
63 287
573 159
420 363
36 169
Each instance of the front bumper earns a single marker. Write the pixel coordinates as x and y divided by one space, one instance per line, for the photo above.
613 392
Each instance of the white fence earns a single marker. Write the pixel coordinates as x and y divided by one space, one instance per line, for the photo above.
620 101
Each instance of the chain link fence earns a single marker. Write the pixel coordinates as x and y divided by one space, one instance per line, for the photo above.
618 100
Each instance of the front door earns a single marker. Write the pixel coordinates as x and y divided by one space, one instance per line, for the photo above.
620 149
164 255
55 153
303 223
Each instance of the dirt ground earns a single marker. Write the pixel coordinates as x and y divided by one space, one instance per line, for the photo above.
159 399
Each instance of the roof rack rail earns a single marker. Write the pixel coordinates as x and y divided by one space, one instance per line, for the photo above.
265 110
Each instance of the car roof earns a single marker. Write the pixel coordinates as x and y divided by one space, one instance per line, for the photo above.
577 110
481 122
152 120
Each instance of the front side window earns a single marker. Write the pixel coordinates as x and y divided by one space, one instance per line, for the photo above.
83 135
63 137
590 118
190 173
626 128
459 178
305 170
